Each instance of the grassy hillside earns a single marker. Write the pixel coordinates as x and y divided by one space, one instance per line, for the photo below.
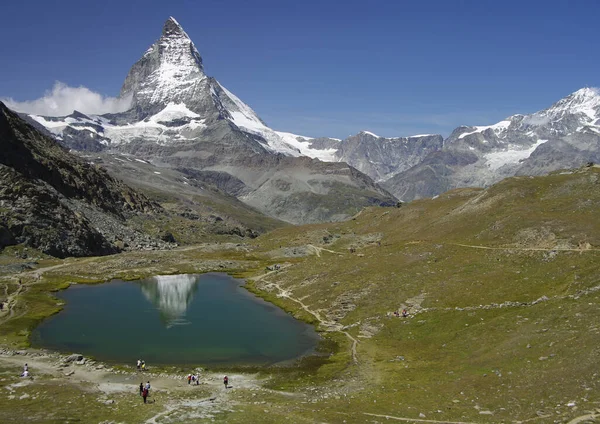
502 290
501 286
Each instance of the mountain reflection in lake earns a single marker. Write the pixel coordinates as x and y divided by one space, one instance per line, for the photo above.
171 294
125 321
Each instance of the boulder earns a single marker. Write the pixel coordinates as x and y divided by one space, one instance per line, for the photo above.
76 357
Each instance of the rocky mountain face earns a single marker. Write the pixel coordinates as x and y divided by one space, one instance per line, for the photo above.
58 203
565 135
381 158
182 118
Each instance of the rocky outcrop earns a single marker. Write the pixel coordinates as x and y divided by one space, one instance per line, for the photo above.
40 185
33 214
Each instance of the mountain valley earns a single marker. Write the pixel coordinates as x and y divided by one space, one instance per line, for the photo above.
488 240
500 286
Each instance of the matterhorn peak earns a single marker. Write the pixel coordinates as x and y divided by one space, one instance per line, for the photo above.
176 47
172 28
169 71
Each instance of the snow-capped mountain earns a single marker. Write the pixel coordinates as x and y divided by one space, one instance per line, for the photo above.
565 135
180 117
173 100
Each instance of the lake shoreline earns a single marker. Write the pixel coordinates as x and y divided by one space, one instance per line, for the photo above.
231 285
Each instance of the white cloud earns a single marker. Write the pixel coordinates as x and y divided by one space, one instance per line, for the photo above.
63 100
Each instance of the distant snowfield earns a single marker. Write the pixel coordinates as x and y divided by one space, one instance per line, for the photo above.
497 160
499 127
173 111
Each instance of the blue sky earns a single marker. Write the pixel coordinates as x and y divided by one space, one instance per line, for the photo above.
324 68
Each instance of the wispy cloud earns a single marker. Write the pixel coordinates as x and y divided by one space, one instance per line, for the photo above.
63 100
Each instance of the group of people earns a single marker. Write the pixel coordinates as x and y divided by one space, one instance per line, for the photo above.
141 365
193 378
144 390
402 314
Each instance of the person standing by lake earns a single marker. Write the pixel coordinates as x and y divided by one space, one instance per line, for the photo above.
225 381
146 391
141 388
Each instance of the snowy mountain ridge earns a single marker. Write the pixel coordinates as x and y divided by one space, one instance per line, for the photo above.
175 104
564 135
172 99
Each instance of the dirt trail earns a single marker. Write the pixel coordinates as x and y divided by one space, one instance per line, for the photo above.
583 418
327 325
8 309
318 250
26 279
542 249
172 392
110 381
418 420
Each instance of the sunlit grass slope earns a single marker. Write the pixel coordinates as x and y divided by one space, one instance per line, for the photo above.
502 286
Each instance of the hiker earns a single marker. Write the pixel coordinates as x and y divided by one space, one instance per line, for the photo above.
225 381
404 313
141 387
139 364
146 391
189 378
143 365
197 380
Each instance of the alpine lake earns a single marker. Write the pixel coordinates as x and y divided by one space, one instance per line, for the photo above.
207 319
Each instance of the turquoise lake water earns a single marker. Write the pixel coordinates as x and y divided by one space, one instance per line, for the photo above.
182 319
